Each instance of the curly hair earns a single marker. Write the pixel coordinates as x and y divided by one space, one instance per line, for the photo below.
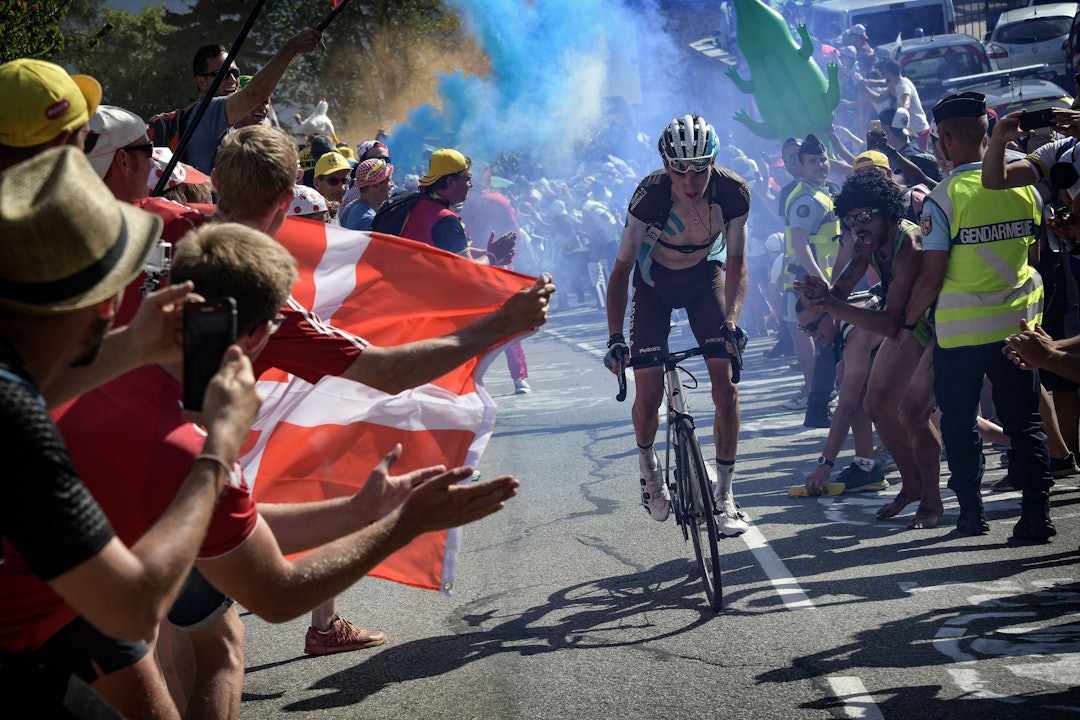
871 190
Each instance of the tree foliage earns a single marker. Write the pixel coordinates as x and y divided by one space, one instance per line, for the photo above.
134 57
31 28
381 57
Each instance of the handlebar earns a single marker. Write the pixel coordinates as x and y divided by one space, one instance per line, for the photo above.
674 358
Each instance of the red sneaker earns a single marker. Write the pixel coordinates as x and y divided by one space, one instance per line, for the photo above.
342 636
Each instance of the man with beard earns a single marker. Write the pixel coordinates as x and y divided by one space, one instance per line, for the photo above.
899 395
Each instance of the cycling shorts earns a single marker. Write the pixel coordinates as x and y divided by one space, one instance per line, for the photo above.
698 289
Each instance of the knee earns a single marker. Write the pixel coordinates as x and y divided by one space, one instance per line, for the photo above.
220 646
724 396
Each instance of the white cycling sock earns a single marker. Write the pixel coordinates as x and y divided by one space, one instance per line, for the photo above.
725 472
647 459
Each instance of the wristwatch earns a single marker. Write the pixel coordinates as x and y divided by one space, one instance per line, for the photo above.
822 460
904 325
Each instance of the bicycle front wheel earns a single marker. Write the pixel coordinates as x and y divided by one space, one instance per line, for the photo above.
698 509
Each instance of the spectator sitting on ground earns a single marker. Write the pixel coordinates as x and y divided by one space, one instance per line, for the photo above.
372 178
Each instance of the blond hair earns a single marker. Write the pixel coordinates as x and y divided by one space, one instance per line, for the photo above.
253 167
233 260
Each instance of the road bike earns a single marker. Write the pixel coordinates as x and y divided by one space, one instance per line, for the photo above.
687 480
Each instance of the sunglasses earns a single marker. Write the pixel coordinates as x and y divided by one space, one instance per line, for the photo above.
685 165
790 158
862 218
810 328
275 323
232 71
147 148
334 182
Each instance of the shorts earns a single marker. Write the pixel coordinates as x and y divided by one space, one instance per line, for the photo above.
199 604
699 289
80 649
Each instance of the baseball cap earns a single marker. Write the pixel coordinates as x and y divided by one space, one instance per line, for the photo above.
181 173
65 242
896 118
307 200
858 30
372 172
39 100
112 128
331 162
444 162
869 159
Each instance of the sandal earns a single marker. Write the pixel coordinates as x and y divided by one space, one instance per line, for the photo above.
895 507
925 518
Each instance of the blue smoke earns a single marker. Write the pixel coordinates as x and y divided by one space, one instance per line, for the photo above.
553 63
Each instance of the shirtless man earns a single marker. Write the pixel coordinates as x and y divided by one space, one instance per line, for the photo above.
676 217
899 396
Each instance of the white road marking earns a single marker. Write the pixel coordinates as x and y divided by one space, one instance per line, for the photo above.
858 703
782 581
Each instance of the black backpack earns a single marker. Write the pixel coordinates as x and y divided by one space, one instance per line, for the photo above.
394 213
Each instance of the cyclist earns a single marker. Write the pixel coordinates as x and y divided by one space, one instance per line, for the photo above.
677 216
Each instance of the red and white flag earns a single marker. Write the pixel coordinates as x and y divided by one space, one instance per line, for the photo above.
313 442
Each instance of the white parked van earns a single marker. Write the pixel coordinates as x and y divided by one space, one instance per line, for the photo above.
883 19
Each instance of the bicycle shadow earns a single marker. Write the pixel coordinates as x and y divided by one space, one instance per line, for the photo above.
611 612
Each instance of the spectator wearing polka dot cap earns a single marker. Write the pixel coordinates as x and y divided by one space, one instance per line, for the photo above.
309 203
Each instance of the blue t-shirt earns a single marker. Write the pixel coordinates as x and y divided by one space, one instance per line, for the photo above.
357 215
211 128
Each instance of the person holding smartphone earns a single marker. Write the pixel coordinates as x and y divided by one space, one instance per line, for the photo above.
243 553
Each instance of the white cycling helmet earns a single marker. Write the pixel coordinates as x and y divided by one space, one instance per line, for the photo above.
688 138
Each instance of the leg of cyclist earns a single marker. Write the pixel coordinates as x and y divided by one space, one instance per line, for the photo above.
650 324
706 314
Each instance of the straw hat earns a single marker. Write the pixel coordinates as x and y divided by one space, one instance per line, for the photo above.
65 242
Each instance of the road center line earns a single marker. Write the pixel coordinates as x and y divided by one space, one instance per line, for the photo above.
782 581
858 703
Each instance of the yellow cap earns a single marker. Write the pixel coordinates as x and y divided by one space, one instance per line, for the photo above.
870 158
39 100
444 162
331 162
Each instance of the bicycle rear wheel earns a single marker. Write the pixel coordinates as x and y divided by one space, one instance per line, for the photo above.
698 509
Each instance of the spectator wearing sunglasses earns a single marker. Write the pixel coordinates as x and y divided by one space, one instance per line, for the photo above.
120 152
225 110
899 395
853 350
331 176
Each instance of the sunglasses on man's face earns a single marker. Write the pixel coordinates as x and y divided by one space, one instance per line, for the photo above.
232 71
147 148
698 165
810 328
335 181
862 218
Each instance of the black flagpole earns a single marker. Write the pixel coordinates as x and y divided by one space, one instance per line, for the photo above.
210 93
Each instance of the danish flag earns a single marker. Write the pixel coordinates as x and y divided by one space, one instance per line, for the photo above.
313 442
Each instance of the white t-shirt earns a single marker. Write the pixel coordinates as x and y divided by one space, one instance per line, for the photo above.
919 122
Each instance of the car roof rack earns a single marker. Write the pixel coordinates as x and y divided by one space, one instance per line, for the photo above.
1003 75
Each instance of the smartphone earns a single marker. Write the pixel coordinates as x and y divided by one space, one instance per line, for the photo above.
875 127
1033 119
209 329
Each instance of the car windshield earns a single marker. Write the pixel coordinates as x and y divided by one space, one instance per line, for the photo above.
943 67
1033 30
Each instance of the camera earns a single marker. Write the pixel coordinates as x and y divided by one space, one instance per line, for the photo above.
157 267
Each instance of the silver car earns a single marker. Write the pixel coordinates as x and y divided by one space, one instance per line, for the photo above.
1031 36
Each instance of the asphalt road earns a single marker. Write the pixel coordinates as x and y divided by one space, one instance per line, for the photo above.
573 603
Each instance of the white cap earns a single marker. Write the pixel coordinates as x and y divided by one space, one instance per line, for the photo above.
181 173
116 128
307 200
901 120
